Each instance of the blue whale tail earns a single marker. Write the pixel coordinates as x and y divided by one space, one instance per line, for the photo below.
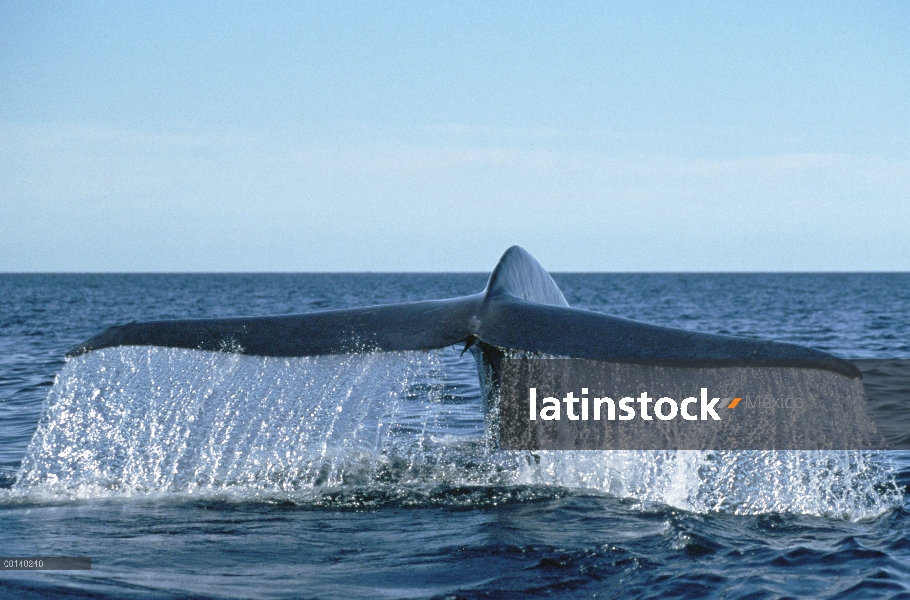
521 309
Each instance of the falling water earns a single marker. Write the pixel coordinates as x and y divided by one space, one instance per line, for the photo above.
377 427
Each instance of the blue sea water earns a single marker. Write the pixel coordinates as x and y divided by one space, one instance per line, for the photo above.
192 474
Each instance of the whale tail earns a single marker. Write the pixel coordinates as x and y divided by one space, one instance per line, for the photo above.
520 309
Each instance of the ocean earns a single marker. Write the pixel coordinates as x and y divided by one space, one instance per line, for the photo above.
214 475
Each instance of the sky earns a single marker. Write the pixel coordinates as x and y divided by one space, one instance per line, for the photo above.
431 136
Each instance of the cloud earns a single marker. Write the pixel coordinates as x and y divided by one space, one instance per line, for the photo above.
348 199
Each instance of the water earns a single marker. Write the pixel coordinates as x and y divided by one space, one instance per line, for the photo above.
185 473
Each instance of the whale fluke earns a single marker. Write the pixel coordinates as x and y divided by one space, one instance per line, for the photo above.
521 308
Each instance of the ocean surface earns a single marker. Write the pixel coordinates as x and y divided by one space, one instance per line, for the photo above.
211 475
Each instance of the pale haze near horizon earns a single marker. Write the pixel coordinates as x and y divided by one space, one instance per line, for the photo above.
432 136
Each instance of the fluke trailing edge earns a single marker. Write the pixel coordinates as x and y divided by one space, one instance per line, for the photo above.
521 309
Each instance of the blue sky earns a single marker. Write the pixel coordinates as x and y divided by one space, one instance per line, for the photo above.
430 136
